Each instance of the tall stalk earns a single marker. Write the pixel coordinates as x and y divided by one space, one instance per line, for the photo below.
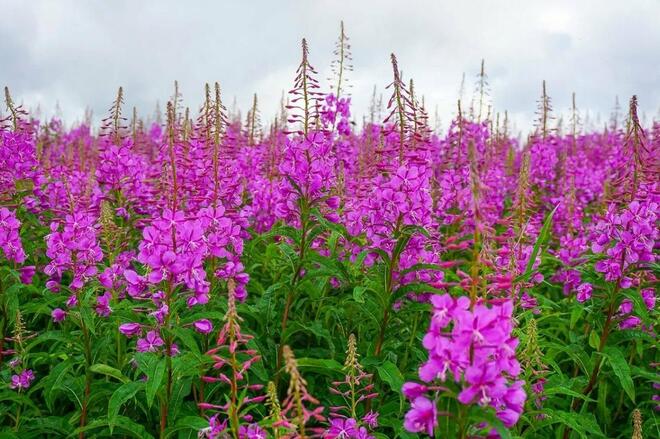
304 228
169 294
389 277
607 327
88 375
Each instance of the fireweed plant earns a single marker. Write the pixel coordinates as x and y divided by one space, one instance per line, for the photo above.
205 274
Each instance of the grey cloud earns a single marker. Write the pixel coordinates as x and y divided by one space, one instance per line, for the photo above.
78 52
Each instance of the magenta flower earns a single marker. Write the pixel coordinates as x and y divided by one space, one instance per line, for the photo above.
371 419
58 315
23 380
422 416
215 428
252 431
648 295
10 240
72 301
150 343
103 304
203 326
27 273
413 390
485 384
584 292
130 329
341 428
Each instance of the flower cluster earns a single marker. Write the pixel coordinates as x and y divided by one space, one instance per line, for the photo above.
23 380
18 160
173 248
627 237
10 240
125 172
625 312
307 169
334 109
472 346
72 247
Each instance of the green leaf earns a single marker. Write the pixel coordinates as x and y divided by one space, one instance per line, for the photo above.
290 254
638 305
319 365
621 370
127 425
358 293
46 426
563 390
193 423
582 423
576 313
88 319
154 379
594 339
603 408
186 364
315 327
187 337
119 398
577 354
52 382
389 373
104 369
543 236
180 389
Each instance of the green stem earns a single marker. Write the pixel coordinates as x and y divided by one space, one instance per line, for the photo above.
18 416
88 376
304 224
4 322
394 262
165 406
404 363
593 378
461 427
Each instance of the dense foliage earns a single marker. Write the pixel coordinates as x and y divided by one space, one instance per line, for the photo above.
211 277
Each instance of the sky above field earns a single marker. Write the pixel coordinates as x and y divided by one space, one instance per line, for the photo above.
76 53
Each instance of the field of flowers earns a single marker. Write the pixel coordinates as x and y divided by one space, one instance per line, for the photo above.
217 276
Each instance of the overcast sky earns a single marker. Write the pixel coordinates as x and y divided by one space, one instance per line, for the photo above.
76 53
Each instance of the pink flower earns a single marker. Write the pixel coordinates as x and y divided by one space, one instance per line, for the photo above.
413 390
203 326
27 273
103 304
130 329
371 419
341 428
58 315
648 294
584 292
23 380
10 240
252 431
422 416
150 343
